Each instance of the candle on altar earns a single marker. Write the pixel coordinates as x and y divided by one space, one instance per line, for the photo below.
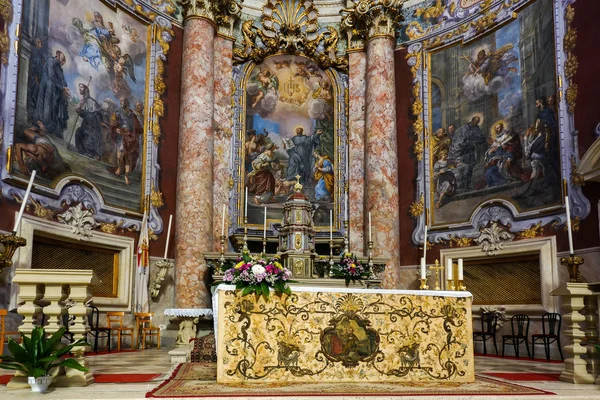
246 204
425 238
265 225
24 203
460 269
370 237
346 208
569 231
423 269
330 224
168 236
223 222
449 270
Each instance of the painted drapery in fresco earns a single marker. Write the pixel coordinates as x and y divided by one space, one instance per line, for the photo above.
82 94
289 135
344 335
493 120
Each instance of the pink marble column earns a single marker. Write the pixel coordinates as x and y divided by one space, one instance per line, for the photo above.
223 124
356 124
194 211
381 164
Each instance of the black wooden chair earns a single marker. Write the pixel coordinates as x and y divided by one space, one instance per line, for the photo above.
97 331
519 325
488 330
550 333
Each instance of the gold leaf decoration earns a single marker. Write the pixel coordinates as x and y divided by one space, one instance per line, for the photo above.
108 227
6 12
533 231
156 198
574 224
571 63
416 208
456 241
434 11
576 178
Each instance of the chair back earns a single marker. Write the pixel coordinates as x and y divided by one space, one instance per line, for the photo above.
521 323
551 323
94 318
144 320
66 321
3 314
489 321
115 319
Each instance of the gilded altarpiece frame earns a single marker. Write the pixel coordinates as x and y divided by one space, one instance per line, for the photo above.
129 25
474 33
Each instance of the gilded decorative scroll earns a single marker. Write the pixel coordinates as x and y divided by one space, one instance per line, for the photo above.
343 337
571 61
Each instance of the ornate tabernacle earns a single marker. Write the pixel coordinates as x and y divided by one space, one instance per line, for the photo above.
344 335
297 235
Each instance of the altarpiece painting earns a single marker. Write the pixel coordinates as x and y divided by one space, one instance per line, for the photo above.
493 120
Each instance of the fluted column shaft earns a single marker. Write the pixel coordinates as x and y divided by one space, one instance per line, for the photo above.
381 164
194 209
223 115
356 123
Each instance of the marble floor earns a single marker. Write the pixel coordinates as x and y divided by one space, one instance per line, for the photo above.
157 361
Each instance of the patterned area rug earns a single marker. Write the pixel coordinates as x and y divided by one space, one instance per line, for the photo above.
199 380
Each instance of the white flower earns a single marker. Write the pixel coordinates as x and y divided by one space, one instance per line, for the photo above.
258 269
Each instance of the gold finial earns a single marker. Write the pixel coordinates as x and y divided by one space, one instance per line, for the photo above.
297 185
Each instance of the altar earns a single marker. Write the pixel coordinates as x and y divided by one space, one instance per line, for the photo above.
344 335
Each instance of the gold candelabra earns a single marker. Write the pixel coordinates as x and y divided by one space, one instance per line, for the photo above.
437 268
572 263
10 242
245 248
370 260
423 284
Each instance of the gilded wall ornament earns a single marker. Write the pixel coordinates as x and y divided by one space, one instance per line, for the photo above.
108 227
571 63
156 198
492 238
80 221
535 231
576 178
416 208
371 18
456 241
290 27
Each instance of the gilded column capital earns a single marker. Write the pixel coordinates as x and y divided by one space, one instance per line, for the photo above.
222 13
368 19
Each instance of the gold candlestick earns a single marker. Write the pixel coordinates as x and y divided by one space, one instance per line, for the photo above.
572 263
330 256
437 268
423 284
461 286
222 259
450 285
245 248
370 260
10 242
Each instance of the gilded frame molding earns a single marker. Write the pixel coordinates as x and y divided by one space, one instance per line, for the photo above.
160 18
494 15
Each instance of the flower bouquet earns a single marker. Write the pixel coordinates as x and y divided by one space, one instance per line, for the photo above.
258 275
350 269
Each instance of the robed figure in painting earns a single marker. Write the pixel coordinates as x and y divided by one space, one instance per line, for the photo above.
324 177
300 155
261 180
126 131
88 137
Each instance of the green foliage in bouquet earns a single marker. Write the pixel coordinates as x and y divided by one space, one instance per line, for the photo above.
350 269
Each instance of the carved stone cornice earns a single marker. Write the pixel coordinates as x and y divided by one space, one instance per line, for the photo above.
222 13
368 19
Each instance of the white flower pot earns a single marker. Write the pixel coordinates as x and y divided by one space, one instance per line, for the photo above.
39 385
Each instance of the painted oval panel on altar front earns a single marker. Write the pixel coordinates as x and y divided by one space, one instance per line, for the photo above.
289 132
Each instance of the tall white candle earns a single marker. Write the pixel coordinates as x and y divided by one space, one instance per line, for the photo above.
24 203
330 224
265 225
168 236
223 222
246 205
569 225
423 269
460 269
449 270
425 241
370 237
346 208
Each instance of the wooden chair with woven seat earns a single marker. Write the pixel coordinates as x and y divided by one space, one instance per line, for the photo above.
4 335
115 323
143 323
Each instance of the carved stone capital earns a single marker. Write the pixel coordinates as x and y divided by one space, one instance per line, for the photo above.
222 13
369 19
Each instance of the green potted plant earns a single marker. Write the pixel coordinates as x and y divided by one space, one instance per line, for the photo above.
37 355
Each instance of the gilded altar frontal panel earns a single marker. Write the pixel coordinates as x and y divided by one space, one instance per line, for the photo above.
322 335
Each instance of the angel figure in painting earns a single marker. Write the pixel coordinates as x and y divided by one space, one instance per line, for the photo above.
323 176
264 81
493 64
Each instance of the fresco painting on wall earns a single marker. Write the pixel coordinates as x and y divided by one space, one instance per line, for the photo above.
81 96
289 135
493 118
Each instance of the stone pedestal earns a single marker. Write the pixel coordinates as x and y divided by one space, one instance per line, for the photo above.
573 299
